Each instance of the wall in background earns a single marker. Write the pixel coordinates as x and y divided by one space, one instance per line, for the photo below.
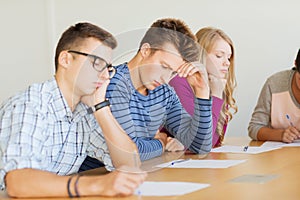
265 34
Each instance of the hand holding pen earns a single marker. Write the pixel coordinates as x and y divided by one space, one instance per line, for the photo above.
289 119
291 133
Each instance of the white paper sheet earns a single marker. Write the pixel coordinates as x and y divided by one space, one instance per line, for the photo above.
201 163
150 188
240 149
281 144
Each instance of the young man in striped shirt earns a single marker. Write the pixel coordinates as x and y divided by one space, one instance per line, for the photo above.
143 102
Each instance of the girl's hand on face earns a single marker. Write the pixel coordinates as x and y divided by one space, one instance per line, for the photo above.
197 77
217 85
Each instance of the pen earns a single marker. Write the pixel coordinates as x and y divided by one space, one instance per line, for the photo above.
245 148
179 161
139 193
288 117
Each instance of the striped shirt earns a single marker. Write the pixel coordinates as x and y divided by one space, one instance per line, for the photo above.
142 116
38 130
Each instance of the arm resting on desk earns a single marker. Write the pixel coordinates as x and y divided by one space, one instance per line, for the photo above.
25 183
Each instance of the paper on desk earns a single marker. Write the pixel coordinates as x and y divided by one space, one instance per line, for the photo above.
240 149
150 188
201 163
281 144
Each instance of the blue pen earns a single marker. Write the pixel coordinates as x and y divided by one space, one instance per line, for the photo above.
179 161
288 118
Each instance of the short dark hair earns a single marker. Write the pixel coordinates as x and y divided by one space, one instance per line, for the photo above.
75 35
175 32
297 61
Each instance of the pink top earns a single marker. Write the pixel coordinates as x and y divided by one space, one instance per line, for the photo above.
186 96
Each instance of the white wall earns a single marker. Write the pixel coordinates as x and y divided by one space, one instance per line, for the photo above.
266 36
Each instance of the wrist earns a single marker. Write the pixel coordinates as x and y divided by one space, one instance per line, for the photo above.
163 144
98 106
218 95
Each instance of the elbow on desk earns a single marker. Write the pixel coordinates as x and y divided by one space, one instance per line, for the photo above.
204 150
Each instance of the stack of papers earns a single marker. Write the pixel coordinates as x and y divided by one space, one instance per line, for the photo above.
241 149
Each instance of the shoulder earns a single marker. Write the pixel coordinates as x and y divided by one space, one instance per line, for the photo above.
36 97
281 76
121 81
280 81
122 76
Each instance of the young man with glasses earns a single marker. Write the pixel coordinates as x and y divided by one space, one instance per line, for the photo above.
276 115
47 131
143 102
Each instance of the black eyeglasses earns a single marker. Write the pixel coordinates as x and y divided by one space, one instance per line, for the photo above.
99 64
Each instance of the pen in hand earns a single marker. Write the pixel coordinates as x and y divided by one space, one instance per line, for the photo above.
288 118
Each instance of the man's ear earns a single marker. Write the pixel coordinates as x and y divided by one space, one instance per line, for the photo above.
64 59
145 50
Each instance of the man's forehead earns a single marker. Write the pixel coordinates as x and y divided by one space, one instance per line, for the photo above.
169 48
102 50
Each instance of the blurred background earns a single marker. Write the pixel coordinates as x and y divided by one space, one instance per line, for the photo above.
266 35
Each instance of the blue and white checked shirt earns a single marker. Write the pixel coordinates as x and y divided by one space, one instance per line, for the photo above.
38 130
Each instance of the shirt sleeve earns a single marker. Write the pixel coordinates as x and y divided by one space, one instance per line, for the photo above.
261 115
186 96
22 138
119 97
193 132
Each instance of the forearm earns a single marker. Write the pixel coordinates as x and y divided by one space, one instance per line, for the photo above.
32 183
271 134
201 93
196 132
122 149
22 183
202 143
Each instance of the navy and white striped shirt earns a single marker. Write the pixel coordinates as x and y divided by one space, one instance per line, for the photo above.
38 130
142 116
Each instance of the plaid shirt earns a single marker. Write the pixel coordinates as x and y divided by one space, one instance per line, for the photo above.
38 130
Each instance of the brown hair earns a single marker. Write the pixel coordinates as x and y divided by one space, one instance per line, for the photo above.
175 32
207 37
75 35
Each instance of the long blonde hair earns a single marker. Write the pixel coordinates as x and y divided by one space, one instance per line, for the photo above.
207 37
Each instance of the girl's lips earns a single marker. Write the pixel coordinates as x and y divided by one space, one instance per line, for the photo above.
224 71
98 84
